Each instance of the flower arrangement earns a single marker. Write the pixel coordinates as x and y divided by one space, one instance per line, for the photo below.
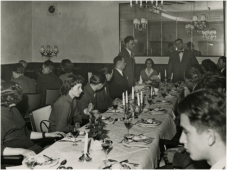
96 126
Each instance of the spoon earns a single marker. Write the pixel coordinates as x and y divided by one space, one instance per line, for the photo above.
62 163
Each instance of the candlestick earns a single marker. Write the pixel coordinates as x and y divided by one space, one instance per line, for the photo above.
165 74
151 91
86 144
156 2
123 99
136 1
133 93
141 95
126 96
130 3
171 76
138 99
140 3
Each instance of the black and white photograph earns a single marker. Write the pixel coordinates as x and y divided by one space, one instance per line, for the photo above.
127 84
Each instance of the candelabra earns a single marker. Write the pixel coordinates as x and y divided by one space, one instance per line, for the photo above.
140 25
49 52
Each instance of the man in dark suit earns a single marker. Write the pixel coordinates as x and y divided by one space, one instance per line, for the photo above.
126 53
119 82
221 65
190 46
179 61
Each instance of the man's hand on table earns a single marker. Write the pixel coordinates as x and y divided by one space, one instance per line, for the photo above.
169 154
55 134
77 125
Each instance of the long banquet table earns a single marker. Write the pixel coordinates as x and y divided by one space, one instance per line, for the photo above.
147 158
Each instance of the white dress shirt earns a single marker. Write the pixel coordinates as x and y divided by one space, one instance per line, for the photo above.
130 53
181 55
119 71
220 164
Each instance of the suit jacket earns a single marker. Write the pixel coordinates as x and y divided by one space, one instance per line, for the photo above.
223 73
130 68
178 68
118 85
47 81
104 100
87 97
64 114
197 53
27 84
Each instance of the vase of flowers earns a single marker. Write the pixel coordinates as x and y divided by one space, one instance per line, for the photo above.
96 126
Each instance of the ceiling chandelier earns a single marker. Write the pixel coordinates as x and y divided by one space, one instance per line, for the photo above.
199 25
153 5
140 25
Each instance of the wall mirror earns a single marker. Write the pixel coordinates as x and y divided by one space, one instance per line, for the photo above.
154 24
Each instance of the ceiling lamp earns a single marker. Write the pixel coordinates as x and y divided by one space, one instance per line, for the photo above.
153 5
140 25
199 25
190 29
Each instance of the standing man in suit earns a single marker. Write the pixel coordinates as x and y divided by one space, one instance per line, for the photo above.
221 65
179 61
190 46
126 53
119 82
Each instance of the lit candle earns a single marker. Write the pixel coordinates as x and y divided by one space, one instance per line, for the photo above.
86 143
161 2
126 96
141 95
130 3
123 99
140 3
138 99
165 74
132 93
159 75
136 1
156 2
151 91
172 76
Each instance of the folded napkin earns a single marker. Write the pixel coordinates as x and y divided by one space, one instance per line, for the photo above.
149 125
136 144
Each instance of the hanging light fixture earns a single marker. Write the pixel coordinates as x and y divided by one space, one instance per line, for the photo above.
49 51
199 25
209 34
154 6
140 25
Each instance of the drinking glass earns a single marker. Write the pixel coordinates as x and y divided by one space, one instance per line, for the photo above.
115 105
75 133
128 124
149 100
107 146
29 161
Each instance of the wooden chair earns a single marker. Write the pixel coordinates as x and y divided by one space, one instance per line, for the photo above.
52 96
33 103
40 119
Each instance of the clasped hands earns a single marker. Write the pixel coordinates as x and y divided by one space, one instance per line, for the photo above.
169 154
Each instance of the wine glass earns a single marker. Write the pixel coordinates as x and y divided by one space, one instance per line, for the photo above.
128 124
176 85
149 100
115 105
75 133
107 146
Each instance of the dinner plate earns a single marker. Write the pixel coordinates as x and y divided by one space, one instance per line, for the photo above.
153 112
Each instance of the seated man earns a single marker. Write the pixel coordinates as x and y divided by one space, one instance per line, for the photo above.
27 84
206 120
221 65
119 82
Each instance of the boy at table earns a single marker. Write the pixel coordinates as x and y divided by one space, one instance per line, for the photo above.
204 130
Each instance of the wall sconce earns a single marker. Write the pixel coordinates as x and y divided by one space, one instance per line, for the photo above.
49 52
140 25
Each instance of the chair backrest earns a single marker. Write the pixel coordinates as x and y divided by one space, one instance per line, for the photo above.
52 96
33 103
89 76
37 116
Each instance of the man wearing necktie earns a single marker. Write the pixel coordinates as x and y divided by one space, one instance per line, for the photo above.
179 61
126 53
